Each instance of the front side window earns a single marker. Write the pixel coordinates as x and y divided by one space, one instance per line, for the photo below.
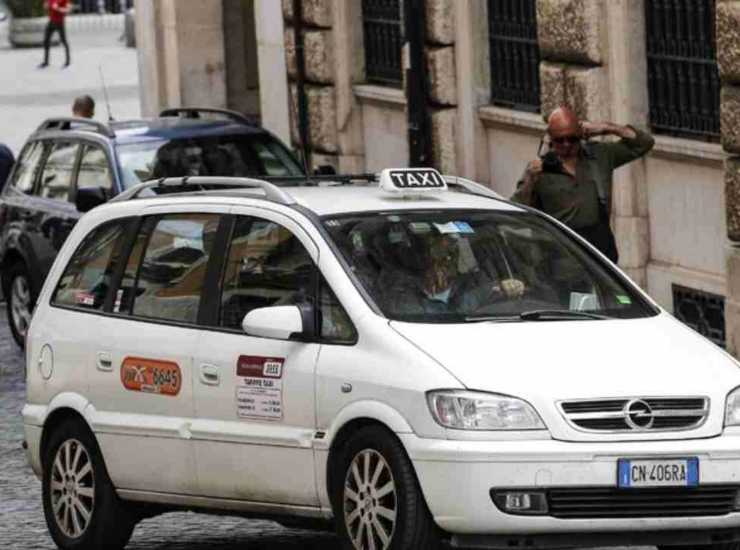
94 169
336 326
463 266
28 167
267 266
87 277
56 178
228 155
169 280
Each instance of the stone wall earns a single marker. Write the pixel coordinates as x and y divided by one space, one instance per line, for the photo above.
728 58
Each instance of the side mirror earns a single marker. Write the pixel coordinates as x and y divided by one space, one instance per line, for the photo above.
281 322
88 198
325 170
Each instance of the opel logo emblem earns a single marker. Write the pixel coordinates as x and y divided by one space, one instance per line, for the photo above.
638 415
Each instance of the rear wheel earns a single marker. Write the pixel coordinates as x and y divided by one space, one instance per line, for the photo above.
20 302
377 500
81 507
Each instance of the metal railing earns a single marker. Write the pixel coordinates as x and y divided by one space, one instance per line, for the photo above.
103 6
702 311
683 80
381 22
515 54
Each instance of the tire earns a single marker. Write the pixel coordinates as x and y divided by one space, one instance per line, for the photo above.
82 512
21 299
375 494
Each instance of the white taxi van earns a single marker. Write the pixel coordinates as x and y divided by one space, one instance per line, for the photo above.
412 360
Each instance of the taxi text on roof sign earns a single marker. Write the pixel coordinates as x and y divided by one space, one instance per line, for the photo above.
412 181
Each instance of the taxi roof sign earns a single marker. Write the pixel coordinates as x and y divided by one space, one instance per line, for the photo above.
412 181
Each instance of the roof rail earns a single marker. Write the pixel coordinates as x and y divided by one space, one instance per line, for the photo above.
195 113
203 183
472 187
69 123
323 178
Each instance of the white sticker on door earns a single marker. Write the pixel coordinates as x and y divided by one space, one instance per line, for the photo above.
259 389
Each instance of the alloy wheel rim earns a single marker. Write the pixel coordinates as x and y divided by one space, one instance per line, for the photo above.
72 489
370 501
21 305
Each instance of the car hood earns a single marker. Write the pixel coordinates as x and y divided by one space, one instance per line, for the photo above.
545 362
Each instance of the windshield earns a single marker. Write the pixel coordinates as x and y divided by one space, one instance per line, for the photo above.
228 155
455 266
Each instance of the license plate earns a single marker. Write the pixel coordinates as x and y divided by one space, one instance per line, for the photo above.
668 472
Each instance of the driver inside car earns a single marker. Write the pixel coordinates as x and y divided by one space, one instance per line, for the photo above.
439 277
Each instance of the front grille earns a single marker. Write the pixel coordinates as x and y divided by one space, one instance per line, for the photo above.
636 414
609 502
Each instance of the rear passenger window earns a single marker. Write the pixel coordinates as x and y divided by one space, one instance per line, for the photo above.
94 169
170 277
28 168
88 274
267 266
56 179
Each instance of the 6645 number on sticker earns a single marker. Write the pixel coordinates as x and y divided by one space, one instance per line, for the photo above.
151 376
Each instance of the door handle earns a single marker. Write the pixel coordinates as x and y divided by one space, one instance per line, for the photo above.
104 361
210 375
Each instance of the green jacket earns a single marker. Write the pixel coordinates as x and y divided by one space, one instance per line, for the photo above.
575 201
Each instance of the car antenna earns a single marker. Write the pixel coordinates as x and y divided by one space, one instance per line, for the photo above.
105 93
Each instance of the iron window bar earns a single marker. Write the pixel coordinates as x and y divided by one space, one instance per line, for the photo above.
702 311
73 123
381 22
514 54
683 78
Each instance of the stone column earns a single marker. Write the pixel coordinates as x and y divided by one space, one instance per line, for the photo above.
442 74
182 56
728 59
320 79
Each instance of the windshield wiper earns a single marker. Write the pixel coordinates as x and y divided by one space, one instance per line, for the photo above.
493 318
557 314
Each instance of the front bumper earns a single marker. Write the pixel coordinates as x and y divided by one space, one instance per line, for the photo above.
456 478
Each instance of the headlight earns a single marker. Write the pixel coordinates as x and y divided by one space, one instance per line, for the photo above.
732 410
465 410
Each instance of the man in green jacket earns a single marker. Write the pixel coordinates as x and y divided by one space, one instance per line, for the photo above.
574 183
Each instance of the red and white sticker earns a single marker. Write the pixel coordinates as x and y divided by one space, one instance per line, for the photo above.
259 389
151 376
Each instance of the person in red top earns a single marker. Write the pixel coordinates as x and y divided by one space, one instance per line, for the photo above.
58 9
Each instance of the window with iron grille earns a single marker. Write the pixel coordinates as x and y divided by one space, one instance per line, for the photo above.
515 54
381 22
702 311
683 80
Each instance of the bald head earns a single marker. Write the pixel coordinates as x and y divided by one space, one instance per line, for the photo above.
563 122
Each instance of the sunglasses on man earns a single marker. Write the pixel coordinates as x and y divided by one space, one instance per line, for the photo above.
571 140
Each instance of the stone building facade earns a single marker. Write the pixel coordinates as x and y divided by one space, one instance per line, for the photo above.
676 213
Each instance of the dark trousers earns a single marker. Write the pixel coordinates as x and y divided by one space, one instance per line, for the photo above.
51 28
601 236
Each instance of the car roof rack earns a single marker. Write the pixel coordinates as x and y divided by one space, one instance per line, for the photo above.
73 123
189 184
196 112
329 179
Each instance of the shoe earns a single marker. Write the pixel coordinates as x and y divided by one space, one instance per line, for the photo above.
67 64
43 65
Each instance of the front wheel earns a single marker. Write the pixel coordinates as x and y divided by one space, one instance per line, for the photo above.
81 507
377 500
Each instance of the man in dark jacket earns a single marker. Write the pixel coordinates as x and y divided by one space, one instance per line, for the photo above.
574 184
6 163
